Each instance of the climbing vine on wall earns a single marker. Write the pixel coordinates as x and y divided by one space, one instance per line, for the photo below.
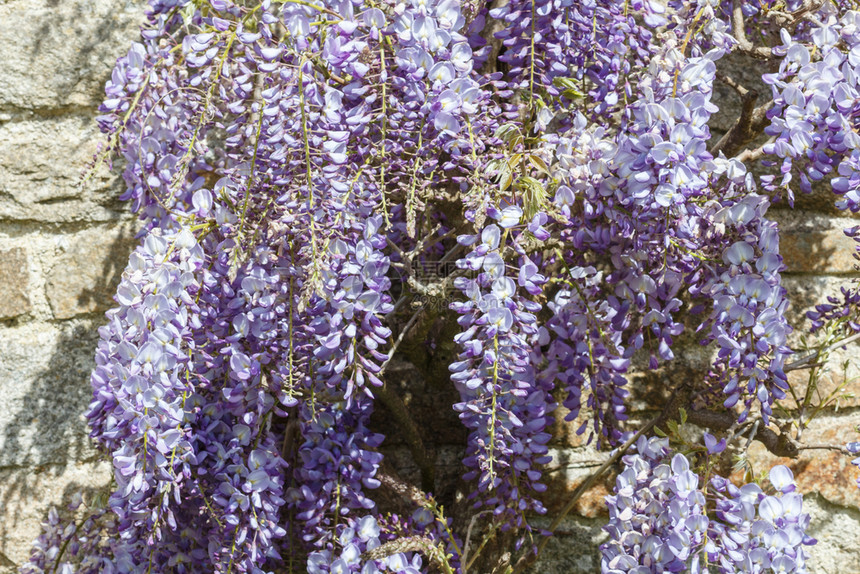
314 177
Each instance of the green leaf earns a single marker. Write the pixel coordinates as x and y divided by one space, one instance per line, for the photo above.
188 13
683 414
493 166
534 195
673 427
531 183
538 163
507 132
566 83
506 178
569 88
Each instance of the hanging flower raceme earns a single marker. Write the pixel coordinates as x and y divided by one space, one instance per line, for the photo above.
657 520
748 321
336 465
815 94
663 520
350 333
628 216
79 547
634 206
571 49
757 532
359 538
504 404
143 379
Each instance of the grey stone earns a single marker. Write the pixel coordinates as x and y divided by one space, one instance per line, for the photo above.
58 54
837 530
56 57
806 291
574 549
815 243
41 162
44 382
14 283
570 467
84 278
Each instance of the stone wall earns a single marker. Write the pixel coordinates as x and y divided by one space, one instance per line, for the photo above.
63 247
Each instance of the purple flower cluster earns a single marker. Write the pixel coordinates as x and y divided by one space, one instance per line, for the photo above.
657 514
242 490
336 466
757 532
432 72
142 381
663 520
350 332
594 44
77 546
145 125
586 354
630 204
356 537
292 160
642 217
748 320
815 101
505 406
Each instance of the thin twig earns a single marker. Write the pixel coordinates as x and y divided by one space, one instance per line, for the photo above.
753 432
468 541
407 425
836 447
451 254
806 366
803 363
753 154
791 19
729 81
399 339
396 307
744 44
777 443
435 289
750 123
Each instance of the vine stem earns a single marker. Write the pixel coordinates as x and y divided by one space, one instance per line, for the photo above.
804 361
745 45
114 139
66 545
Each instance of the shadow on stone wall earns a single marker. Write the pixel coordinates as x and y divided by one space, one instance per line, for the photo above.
47 449
62 50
